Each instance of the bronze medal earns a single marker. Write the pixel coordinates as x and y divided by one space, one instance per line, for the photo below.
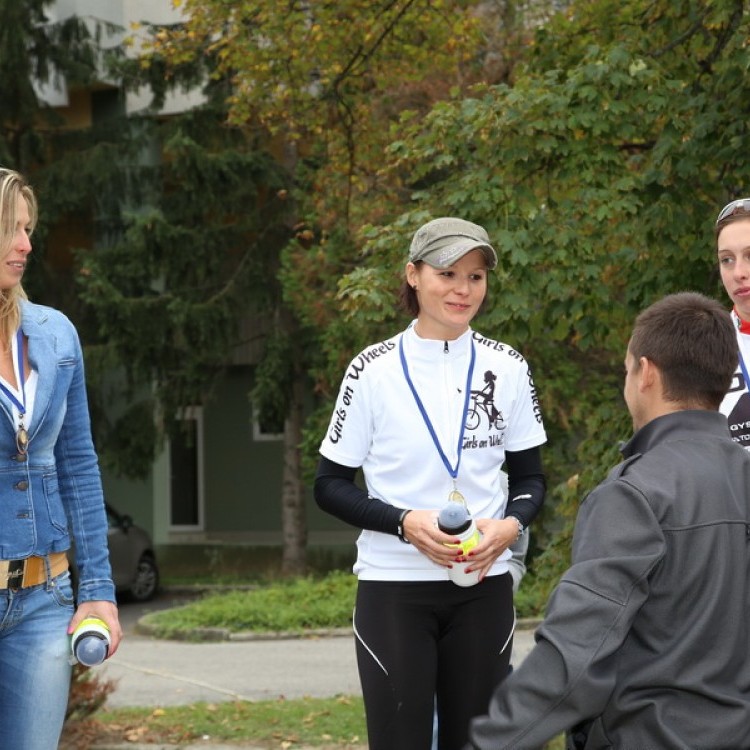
22 439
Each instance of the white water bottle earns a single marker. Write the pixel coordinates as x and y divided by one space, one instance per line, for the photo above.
90 642
455 519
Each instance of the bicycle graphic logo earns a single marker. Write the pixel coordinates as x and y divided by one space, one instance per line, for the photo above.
482 402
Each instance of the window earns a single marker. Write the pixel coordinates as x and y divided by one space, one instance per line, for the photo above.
186 472
263 431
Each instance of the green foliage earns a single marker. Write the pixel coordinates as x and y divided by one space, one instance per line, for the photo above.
293 606
179 223
328 82
596 163
127 442
272 384
192 249
597 173
300 68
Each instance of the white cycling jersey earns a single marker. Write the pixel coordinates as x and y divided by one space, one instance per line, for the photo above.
377 424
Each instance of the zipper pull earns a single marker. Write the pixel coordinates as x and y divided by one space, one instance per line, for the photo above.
445 347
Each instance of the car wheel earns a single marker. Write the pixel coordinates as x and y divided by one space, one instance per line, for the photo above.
146 581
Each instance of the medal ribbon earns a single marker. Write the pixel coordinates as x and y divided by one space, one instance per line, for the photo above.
453 471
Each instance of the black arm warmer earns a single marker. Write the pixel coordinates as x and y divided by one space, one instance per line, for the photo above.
526 484
336 493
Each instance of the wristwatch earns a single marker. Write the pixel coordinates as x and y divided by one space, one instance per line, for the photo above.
400 527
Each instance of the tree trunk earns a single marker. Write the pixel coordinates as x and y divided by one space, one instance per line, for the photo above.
293 516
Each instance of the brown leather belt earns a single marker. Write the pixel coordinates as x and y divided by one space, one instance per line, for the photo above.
20 574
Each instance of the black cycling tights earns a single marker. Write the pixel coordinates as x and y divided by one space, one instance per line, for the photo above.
418 642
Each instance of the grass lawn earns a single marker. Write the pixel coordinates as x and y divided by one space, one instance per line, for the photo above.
281 724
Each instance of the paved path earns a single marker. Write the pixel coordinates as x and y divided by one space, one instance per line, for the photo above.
149 672
152 672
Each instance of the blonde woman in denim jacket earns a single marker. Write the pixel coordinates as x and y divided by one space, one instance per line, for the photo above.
50 490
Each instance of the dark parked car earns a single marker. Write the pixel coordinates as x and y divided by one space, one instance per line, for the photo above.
131 553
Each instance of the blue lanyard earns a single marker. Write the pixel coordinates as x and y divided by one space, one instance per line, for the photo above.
453 471
20 405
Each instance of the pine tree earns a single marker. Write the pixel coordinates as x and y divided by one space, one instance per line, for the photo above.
179 223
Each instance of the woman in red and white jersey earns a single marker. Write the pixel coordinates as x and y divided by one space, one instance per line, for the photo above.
733 249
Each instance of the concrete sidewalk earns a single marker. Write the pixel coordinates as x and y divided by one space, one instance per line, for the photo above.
154 673
150 672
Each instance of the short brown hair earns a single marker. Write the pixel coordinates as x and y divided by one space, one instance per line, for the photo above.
691 339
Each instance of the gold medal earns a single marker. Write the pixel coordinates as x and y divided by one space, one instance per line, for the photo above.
454 496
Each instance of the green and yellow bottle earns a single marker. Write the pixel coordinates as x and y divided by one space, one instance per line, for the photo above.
455 519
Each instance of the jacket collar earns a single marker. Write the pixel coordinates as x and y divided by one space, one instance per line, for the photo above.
42 356
678 425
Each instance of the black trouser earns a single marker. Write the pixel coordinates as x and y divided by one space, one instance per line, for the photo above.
422 641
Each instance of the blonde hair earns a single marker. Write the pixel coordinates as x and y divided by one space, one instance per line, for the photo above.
12 185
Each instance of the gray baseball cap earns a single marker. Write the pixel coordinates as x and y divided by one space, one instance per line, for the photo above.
442 242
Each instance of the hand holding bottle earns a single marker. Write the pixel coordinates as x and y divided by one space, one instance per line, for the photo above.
455 519
90 642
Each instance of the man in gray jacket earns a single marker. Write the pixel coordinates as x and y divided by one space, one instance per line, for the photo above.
646 639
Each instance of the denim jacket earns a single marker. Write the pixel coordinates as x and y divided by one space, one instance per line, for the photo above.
57 489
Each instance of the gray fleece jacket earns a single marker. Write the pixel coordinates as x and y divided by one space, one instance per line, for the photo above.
648 633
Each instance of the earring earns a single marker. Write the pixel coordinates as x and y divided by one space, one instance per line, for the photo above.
414 287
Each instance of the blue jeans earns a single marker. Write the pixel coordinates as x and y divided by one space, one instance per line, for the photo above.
34 664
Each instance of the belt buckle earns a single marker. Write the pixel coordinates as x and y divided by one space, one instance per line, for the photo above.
16 570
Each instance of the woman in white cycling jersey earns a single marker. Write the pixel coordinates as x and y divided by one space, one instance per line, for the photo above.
401 417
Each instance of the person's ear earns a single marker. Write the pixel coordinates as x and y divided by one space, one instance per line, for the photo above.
650 375
411 275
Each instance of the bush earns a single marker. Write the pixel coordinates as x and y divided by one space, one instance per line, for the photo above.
291 606
88 692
